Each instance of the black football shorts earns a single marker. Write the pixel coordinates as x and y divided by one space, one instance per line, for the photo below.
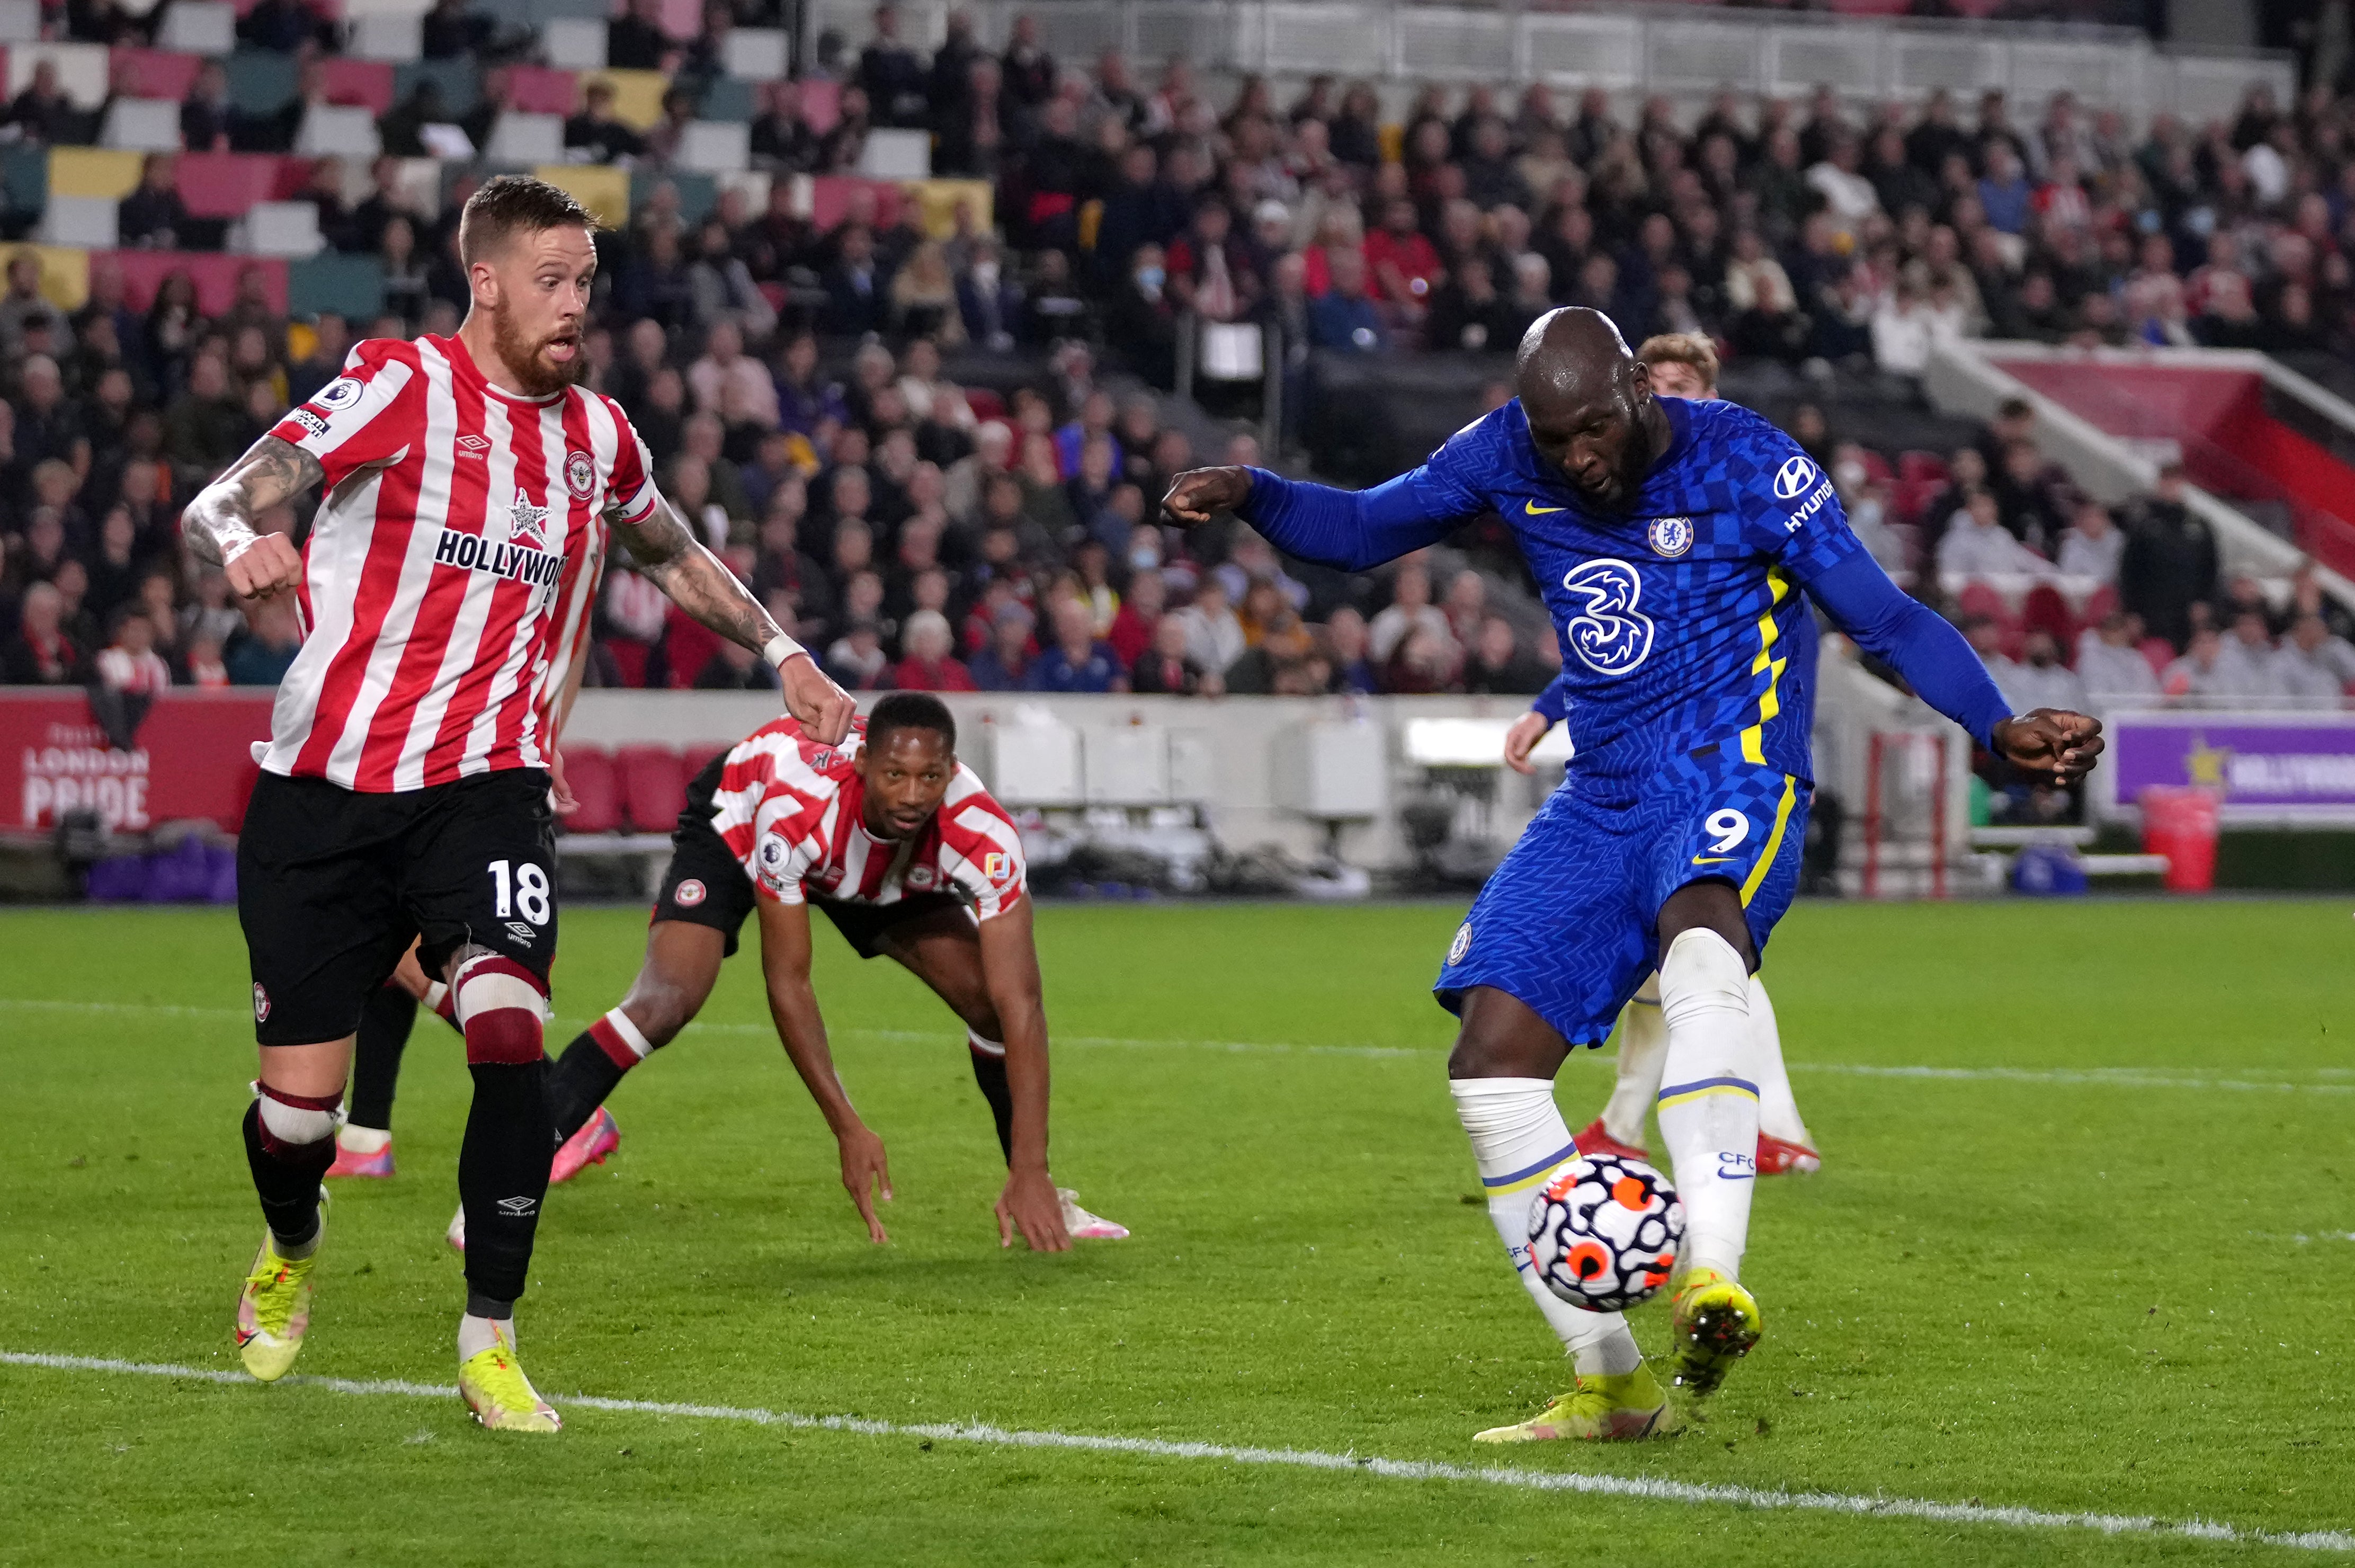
333 884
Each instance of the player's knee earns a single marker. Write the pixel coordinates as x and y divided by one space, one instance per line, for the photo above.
1702 972
499 1005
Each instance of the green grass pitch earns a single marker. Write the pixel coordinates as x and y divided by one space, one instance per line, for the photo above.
2116 1280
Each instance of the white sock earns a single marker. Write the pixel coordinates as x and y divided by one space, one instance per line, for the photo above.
1518 1137
1778 1111
1642 1052
361 1139
476 1334
1709 1103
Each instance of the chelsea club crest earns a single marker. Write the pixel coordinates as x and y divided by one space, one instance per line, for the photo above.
1670 536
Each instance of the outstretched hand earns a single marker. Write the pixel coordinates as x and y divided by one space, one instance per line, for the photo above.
1199 494
866 1175
2051 741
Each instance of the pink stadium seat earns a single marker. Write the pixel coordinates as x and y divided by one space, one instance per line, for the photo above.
359 84
682 20
1978 599
597 785
538 89
1876 467
226 184
653 786
2159 653
153 73
830 199
215 275
821 104
1919 467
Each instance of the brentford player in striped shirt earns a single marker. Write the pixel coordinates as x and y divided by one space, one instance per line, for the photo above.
404 793
907 854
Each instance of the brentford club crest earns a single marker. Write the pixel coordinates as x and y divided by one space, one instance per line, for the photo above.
580 473
688 893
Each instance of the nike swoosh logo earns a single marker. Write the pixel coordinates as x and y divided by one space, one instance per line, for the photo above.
1711 859
1538 511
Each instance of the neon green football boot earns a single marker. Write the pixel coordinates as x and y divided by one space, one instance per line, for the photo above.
1712 1324
492 1384
1602 1409
273 1310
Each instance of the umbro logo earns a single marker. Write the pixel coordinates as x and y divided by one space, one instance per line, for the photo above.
518 1208
472 445
522 934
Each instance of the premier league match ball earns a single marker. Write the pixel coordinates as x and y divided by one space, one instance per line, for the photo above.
1604 1232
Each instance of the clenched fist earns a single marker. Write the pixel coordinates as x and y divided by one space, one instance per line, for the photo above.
824 708
269 565
2052 739
1199 494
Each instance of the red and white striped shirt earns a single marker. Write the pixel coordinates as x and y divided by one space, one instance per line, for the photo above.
453 564
792 812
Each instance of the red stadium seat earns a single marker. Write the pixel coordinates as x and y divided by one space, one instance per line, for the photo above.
597 785
358 84
2044 610
1876 467
214 273
984 403
153 73
654 786
688 645
698 757
2100 606
821 104
1978 599
1919 467
538 90
2158 653
226 184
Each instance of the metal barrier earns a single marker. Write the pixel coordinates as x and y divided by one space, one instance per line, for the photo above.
1675 52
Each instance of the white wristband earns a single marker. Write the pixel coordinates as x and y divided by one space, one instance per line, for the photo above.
780 648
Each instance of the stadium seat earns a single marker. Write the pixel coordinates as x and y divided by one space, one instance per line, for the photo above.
821 101
727 98
698 194
984 403
225 185
755 54
2158 653
514 16
65 271
1980 599
391 38
897 155
698 756
153 73
214 273
597 785
601 188
367 83
2044 610
682 20
941 198
653 786
260 81
20 21
1876 467
2100 606
536 90
637 96
93 170
143 124
198 27
85 221
25 178
715 147
522 139
1917 468
351 286
460 81
289 229
332 130
82 71
573 43
551 10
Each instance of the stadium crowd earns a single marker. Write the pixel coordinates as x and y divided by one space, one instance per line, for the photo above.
789 378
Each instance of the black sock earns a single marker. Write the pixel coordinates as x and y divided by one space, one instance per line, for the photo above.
503 1173
385 1023
582 1078
989 1071
286 1180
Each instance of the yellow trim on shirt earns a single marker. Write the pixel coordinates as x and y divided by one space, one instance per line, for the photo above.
1774 840
1754 740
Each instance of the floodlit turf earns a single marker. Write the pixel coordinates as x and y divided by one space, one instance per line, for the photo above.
2115 1284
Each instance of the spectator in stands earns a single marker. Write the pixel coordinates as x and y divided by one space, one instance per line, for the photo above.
205 114
2039 679
856 285
596 133
43 113
1169 668
42 652
1976 544
205 428
1499 666
24 306
636 41
2111 664
1029 69
48 424
2312 666
1004 665
895 82
1409 609
1077 660
782 140
285 27
2206 674
129 664
2092 545
931 662
452 31
1345 319
153 216
857 660
733 668
261 653
2168 562
1214 634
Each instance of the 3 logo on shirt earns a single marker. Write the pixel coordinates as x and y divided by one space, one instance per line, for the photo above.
1609 635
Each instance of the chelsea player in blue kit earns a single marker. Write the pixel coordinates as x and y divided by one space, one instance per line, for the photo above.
1671 542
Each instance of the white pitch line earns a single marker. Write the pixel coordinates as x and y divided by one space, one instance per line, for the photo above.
2097 1077
1639 1489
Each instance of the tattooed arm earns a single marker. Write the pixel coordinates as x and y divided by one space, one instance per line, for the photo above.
666 550
219 524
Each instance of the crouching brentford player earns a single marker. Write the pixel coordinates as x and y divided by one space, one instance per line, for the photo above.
404 793
907 854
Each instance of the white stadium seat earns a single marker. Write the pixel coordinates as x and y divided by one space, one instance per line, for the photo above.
288 229
897 155
755 54
527 139
715 147
573 43
141 126
83 71
387 35
198 27
84 220
20 21
329 132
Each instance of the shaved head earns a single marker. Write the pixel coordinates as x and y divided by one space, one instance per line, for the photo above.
1589 403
